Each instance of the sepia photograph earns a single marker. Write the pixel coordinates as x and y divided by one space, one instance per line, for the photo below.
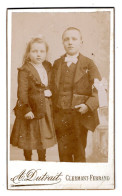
60 98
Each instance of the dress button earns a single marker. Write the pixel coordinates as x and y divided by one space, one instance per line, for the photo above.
65 147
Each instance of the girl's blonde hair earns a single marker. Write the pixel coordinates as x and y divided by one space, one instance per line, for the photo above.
38 39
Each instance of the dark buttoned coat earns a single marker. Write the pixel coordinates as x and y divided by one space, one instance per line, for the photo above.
25 133
83 84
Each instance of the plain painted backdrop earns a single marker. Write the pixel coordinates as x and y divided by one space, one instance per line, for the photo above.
94 26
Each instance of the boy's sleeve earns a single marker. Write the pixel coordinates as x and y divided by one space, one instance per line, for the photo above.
93 71
93 101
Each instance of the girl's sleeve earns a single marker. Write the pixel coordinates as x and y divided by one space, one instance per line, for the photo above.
22 93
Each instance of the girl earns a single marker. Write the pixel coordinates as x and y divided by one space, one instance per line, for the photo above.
33 127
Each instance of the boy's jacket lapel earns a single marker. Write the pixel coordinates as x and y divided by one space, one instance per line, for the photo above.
79 69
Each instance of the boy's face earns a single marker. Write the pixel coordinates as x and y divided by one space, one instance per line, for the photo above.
37 53
72 42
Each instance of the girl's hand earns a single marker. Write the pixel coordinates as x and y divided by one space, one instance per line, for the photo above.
47 93
83 108
29 115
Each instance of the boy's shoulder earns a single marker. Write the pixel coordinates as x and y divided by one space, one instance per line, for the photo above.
58 60
85 58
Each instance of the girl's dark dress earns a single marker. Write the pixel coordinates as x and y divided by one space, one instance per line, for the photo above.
38 132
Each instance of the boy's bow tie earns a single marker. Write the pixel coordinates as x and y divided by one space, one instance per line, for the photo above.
70 60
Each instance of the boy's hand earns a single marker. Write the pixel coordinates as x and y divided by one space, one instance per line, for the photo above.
47 93
82 108
29 115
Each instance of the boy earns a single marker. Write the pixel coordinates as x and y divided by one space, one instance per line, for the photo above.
75 99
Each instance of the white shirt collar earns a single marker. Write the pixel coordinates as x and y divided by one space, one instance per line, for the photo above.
42 73
37 65
75 56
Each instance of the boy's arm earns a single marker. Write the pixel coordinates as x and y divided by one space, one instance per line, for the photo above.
93 101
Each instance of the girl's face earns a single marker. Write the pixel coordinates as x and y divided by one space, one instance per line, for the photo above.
37 53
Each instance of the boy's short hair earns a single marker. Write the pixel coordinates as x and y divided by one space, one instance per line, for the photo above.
72 28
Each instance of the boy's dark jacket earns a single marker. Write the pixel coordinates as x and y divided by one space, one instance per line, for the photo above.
31 91
86 72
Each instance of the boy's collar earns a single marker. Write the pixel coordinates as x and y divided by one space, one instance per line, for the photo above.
75 56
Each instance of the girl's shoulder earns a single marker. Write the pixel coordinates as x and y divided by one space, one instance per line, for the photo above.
47 65
24 67
27 70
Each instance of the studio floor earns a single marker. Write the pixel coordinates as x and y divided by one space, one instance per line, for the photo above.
51 155
17 154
